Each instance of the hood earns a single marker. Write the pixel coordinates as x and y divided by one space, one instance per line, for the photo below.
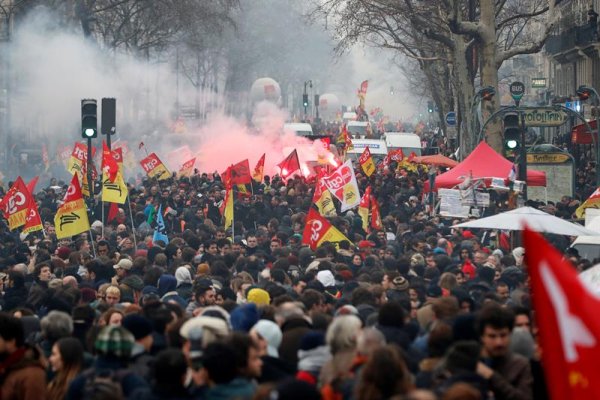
166 283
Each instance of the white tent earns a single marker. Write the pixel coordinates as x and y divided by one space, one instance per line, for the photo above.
537 220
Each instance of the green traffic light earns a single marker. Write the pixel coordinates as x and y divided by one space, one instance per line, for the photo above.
511 144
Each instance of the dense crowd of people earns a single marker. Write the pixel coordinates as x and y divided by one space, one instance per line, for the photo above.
417 310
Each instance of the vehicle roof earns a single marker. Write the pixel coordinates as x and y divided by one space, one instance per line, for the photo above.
358 123
303 126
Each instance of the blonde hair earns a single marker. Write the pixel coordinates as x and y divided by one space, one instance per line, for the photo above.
113 290
342 333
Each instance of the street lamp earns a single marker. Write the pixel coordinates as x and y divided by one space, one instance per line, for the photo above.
483 94
584 93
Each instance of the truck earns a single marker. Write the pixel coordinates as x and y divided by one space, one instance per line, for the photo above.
408 142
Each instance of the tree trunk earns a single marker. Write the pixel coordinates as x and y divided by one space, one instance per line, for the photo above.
489 73
464 93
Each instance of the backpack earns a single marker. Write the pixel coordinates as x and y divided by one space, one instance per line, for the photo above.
104 385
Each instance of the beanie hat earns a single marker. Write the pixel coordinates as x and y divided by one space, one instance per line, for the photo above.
326 278
138 325
258 296
63 252
271 332
312 340
115 341
134 282
244 317
401 283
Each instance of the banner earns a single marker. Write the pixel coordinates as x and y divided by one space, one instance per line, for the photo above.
14 204
114 192
187 169
342 184
71 218
259 170
117 155
155 168
33 222
318 230
569 328
323 200
376 222
366 162
78 161
237 174
110 168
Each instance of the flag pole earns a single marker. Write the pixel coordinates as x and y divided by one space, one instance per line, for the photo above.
103 222
232 215
92 241
128 200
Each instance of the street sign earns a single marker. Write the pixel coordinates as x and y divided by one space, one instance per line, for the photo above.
517 90
538 82
451 118
544 116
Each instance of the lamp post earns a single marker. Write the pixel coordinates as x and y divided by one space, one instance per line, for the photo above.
584 93
482 94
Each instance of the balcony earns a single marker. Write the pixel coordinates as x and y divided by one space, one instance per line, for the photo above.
567 45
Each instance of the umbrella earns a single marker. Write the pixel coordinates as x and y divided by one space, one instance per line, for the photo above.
537 220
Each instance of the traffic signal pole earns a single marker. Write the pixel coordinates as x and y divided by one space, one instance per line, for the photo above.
89 170
523 156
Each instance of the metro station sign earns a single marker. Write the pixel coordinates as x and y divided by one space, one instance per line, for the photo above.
544 116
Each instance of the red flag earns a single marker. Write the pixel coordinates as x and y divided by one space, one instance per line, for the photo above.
290 165
109 165
112 212
239 174
376 222
569 328
259 170
32 183
411 156
14 204
33 222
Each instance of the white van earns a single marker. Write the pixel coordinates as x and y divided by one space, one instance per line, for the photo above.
349 116
588 247
299 128
358 129
377 148
408 142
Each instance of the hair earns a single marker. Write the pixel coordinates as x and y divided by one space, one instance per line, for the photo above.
391 314
311 298
169 367
342 333
11 328
71 352
440 339
56 325
114 290
448 281
217 360
384 375
108 314
495 316
462 391
241 344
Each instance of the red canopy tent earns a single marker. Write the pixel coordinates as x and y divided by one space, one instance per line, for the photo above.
483 162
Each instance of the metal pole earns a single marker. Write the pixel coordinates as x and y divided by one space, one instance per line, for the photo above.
89 171
305 107
597 141
523 157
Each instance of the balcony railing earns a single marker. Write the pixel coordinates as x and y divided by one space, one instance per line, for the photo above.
579 36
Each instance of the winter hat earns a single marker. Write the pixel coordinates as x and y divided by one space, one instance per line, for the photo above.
203 269
401 283
521 342
212 329
365 243
216 312
138 325
114 341
134 282
271 332
244 317
258 296
63 252
346 310
312 340
326 278
182 275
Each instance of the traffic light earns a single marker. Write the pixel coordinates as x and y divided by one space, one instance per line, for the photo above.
512 131
89 118
109 111
305 100
430 106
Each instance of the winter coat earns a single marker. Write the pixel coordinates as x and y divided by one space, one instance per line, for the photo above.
23 376
293 330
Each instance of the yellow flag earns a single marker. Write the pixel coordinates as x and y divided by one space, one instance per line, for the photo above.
366 162
71 218
227 208
114 192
